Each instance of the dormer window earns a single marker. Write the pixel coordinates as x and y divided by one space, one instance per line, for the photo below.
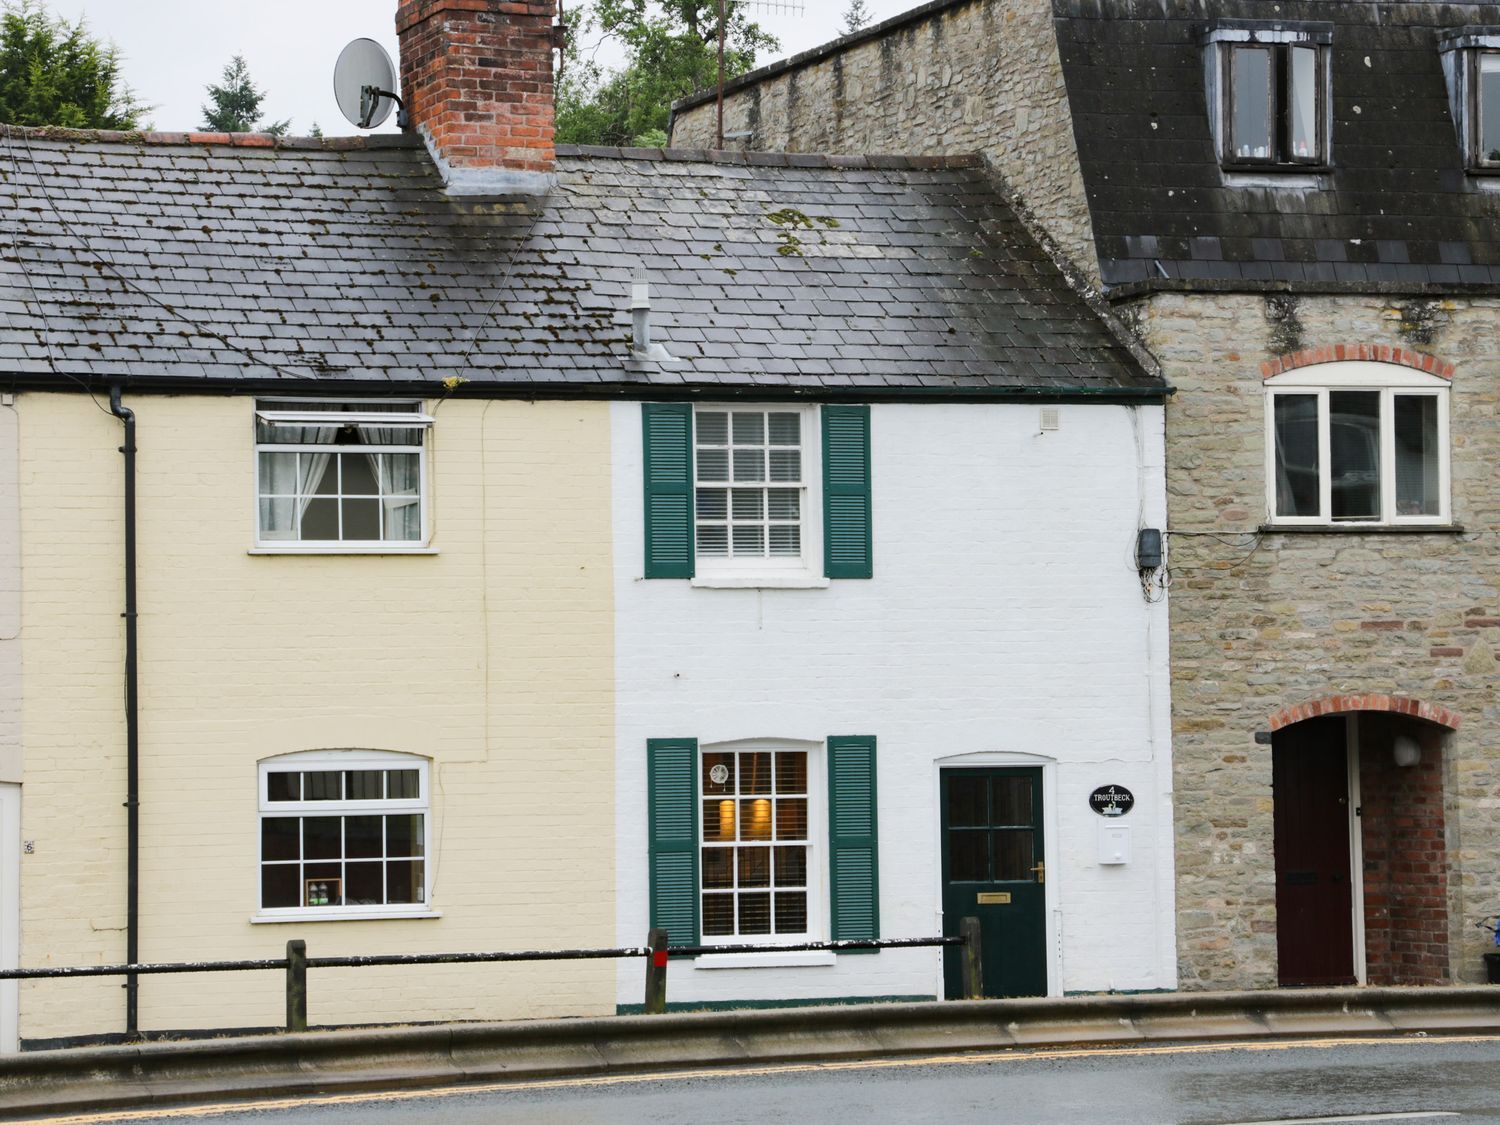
1471 66
1268 91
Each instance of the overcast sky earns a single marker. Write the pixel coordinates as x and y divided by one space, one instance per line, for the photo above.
174 48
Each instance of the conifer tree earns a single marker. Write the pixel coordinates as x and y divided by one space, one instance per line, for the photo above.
235 104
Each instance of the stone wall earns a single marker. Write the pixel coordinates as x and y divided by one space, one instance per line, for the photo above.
1261 622
977 77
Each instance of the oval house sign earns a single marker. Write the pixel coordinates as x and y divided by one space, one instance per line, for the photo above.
1111 800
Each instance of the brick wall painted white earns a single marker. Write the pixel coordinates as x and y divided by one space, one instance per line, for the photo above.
1005 625
10 595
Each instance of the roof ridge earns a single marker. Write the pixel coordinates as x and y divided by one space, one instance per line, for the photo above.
881 161
233 140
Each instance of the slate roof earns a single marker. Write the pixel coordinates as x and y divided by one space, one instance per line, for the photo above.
171 259
1396 211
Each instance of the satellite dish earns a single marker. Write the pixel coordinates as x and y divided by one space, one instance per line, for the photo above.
364 83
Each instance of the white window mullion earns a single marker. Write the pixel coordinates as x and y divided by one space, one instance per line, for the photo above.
1387 455
1325 459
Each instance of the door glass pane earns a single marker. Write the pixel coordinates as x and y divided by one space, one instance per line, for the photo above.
1354 448
1304 102
968 855
1417 456
1013 851
967 806
1296 454
1011 802
1489 107
1250 89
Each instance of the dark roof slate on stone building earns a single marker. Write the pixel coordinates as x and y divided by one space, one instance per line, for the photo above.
1396 210
173 260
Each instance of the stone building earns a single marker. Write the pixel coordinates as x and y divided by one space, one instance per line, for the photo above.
1293 205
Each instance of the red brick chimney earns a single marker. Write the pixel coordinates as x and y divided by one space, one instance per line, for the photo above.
476 76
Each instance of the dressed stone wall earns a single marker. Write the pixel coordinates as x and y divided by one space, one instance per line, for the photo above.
978 77
1265 622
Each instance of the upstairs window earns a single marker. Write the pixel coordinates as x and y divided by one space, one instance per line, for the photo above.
1269 96
1471 66
1352 443
340 474
750 491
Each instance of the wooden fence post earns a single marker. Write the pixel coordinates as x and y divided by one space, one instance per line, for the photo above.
296 985
973 966
656 973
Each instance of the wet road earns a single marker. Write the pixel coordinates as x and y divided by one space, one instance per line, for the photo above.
1417 1080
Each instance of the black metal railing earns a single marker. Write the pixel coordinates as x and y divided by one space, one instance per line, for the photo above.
657 954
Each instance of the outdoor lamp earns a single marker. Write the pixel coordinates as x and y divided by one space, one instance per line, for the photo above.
1406 751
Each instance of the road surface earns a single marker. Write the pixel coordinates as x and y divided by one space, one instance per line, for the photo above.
1416 1080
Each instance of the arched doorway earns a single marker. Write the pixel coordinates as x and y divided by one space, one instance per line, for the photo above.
1361 857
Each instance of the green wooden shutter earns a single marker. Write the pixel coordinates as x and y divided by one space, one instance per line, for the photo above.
847 548
668 432
672 812
853 859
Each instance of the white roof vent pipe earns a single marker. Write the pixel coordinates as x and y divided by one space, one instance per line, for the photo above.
642 349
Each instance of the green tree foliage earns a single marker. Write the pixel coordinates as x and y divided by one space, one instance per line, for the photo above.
856 17
671 50
53 72
235 104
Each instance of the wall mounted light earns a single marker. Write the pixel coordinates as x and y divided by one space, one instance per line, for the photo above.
1406 751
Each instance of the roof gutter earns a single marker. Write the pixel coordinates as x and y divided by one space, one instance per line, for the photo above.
132 721
670 389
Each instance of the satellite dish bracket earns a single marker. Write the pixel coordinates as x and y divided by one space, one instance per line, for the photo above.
369 102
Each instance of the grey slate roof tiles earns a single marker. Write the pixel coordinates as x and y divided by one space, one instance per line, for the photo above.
1396 208
165 258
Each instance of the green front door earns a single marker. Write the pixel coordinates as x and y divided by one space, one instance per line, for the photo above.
994 869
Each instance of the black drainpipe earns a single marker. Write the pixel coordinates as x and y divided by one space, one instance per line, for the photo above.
132 723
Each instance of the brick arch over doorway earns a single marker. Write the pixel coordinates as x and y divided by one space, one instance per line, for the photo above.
1372 353
1341 704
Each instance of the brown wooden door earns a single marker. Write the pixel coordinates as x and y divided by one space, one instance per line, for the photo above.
1314 924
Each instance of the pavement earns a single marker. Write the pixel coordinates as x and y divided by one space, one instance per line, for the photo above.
161 1074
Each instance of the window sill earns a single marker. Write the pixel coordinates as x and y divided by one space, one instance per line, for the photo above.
792 580
1273 176
362 550
351 915
1362 529
752 960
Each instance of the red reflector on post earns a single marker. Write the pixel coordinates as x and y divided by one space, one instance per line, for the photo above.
659 958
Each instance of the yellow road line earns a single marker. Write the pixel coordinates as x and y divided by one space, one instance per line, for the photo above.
1012 1054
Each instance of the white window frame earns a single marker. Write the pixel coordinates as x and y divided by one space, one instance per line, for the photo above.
1358 375
802 570
316 760
817 851
297 411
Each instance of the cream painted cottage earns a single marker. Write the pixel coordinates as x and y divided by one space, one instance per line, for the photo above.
519 548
